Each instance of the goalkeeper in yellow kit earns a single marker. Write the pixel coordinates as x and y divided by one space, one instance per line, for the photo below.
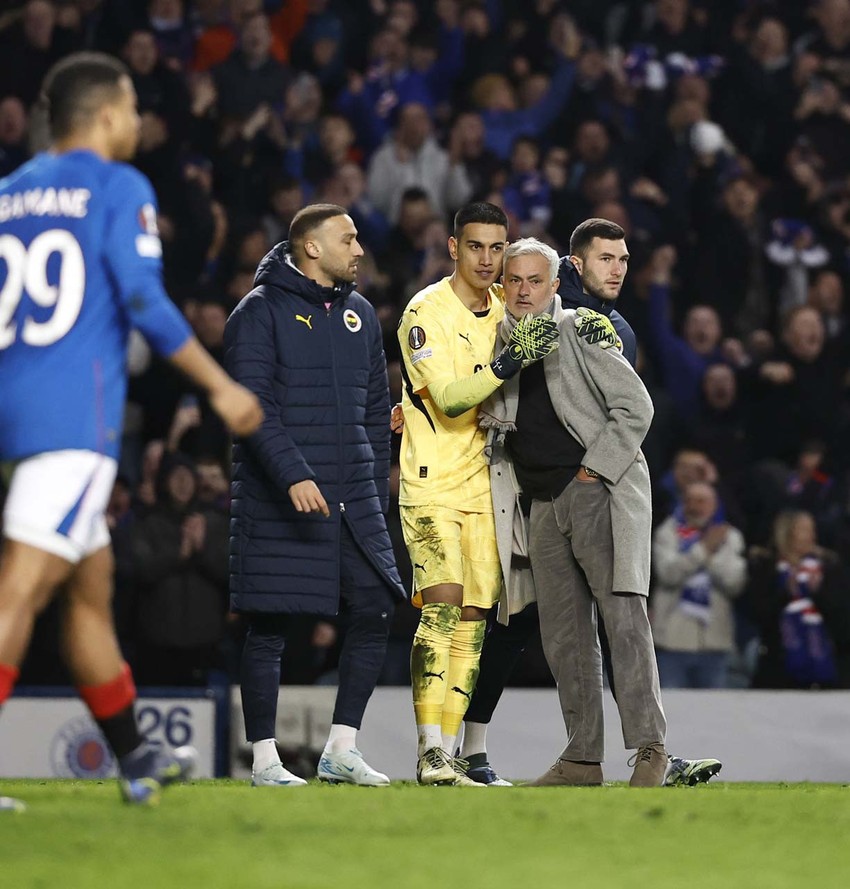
446 334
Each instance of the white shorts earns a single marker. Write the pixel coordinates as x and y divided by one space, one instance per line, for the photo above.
57 502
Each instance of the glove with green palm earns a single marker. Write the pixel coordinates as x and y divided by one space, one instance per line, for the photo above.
597 328
533 337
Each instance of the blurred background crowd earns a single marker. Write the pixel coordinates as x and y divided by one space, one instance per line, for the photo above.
716 133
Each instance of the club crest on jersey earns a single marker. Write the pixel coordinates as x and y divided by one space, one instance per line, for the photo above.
148 243
147 219
352 320
416 338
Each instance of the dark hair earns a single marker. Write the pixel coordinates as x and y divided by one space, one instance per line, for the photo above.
480 212
415 193
77 86
583 234
308 219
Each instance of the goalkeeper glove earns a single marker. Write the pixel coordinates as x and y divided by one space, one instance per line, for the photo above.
533 337
597 328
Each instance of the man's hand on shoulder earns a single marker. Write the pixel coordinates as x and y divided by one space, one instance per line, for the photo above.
597 329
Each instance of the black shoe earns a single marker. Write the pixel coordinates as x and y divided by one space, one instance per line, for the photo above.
481 772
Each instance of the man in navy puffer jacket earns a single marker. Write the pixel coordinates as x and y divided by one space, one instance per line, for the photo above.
311 487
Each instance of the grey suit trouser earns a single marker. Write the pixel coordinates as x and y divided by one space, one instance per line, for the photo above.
572 557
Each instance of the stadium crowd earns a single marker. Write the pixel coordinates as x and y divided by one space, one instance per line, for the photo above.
715 133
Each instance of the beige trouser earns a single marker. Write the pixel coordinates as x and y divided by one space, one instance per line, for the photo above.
572 556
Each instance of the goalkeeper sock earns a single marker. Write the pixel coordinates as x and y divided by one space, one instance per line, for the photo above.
265 754
341 737
429 664
474 739
464 664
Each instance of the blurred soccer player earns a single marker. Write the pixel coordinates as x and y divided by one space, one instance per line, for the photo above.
446 334
80 264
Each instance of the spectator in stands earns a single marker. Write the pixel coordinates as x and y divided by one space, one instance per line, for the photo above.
719 428
411 158
251 76
406 242
319 47
220 37
163 103
438 54
527 190
370 101
286 198
826 294
467 147
174 37
690 466
756 95
497 102
829 41
320 159
793 396
373 228
29 48
213 484
13 134
731 268
699 568
180 564
674 28
682 359
800 597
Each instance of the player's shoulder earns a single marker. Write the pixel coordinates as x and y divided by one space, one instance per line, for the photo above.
20 175
117 174
432 301
254 304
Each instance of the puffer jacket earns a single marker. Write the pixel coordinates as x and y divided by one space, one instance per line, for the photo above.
320 373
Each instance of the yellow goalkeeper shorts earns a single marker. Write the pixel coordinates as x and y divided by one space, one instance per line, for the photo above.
450 546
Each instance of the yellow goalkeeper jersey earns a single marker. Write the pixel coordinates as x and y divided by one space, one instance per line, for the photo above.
442 458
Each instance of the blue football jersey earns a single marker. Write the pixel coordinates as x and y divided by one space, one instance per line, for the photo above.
80 264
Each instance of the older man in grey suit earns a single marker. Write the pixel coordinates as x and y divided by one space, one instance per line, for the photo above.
571 492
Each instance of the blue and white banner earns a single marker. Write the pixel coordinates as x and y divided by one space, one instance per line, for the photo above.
55 737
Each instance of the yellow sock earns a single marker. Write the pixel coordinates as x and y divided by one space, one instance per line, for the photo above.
429 660
464 663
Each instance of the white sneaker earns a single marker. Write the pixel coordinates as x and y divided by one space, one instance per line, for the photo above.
276 775
349 767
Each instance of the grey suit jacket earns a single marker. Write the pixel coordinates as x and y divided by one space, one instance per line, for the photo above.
604 404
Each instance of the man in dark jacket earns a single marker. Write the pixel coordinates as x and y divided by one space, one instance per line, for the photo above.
311 487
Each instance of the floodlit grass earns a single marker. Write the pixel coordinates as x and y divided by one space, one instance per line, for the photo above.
225 834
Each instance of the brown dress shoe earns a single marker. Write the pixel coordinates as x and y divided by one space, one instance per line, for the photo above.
570 774
650 764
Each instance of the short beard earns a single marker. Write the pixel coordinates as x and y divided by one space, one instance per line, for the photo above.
592 291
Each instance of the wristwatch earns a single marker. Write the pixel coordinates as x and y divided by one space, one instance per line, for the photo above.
590 472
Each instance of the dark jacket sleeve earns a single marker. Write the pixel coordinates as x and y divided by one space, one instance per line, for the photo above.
249 357
378 418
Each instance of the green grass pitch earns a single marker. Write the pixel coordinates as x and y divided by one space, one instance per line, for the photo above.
225 834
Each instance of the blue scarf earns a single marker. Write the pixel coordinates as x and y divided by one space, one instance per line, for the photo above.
808 650
695 596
